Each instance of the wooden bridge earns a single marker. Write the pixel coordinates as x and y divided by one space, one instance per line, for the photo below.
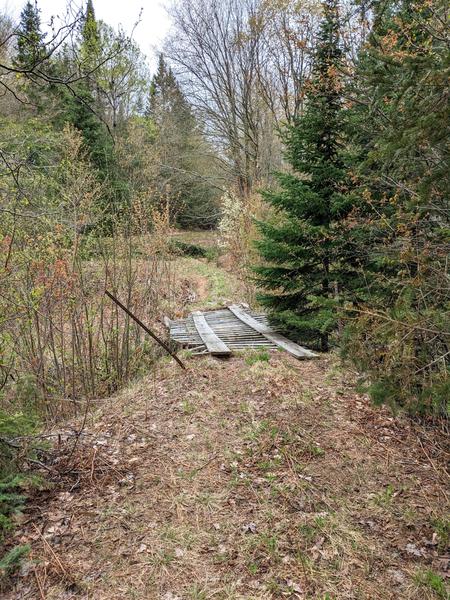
219 332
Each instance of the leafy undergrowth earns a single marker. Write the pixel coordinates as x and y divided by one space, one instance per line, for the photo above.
243 479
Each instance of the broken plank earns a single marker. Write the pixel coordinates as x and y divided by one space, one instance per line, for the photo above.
212 342
268 333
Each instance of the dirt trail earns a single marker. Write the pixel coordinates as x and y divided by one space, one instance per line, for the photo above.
255 478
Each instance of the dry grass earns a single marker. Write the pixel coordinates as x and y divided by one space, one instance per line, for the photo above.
237 481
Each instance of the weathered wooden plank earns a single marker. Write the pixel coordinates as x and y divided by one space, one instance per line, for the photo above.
267 332
213 343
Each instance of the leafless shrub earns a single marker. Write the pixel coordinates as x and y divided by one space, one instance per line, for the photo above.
62 340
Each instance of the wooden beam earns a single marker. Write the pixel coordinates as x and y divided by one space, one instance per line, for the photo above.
213 343
146 329
268 333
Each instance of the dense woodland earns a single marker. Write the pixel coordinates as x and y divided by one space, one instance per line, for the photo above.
313 135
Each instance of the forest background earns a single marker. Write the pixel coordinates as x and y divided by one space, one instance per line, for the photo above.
314 137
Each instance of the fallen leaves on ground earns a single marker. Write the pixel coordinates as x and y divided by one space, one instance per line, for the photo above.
234 482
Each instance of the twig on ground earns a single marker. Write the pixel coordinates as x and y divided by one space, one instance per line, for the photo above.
432 463
93 465
78 435
39 584
198 469
55 556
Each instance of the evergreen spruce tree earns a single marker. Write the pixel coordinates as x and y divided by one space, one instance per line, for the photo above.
30 39
400 125
84 108
166 96
90 39
180 142
81 107
304 251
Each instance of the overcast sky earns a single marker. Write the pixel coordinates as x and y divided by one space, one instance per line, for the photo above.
149 33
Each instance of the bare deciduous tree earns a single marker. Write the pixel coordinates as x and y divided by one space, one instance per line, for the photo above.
243 65
215 51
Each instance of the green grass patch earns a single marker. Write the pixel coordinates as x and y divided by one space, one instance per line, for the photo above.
385 497
256 356
442 529
434 582
189 408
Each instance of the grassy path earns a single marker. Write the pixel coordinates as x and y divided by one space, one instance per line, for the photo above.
259 477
